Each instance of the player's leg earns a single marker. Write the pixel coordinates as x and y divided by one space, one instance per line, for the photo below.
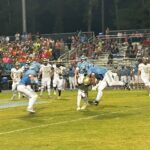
19 94
146 81
42 86
101 86
109 78
73 83
70 83
48 84
60 85
14 90
55 85
84 96
79 96
29 93
32 101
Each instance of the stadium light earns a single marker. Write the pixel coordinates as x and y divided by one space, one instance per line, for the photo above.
24 22
103 18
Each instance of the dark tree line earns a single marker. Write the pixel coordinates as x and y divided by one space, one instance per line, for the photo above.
51 16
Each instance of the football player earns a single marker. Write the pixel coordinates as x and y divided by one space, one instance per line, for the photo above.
24 87
81 69
106 78
58 81
83 87
16 74
46 73
144 73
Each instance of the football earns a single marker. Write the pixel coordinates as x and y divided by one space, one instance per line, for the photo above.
86 81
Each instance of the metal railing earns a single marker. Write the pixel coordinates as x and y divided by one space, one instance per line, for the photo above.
130 31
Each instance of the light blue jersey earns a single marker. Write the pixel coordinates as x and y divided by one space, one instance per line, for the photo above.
83 67
35 66
97 70
25 81
30 71
135 69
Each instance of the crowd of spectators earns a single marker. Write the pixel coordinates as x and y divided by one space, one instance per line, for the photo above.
26 48
136 45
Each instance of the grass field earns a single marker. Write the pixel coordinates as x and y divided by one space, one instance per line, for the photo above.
120 122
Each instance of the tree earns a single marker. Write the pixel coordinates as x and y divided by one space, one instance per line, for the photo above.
117 13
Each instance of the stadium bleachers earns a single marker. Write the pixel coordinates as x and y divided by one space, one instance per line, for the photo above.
96 48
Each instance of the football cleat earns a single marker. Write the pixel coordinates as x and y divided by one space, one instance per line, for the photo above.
54 92
83 107
19 96
78 108
90 102
127 86
30 110
93 102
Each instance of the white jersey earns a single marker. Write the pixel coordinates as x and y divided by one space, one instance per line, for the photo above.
16 74
144 69
58 70
46 71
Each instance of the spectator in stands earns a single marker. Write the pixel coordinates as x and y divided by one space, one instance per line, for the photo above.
107 31
116 70
110 58
115 49
133 76
69 41
1 70
71 74
128 73
17 36
57 48
83 38
6 58
37 36
123 74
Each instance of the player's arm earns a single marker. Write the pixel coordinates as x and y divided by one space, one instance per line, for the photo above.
33 79
11 75
76 76
21 74
138 76
93 79
148 71
40 72
52 71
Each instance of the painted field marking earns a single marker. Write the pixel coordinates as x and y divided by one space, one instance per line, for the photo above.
50 124
18 104
68 121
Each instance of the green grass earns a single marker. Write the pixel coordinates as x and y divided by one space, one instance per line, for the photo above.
120 122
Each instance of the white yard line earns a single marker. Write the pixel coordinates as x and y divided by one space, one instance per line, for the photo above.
69 121
46 125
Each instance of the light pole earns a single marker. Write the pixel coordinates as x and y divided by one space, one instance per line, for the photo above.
103 18
24 22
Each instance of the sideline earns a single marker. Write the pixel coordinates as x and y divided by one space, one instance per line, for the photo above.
13 104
